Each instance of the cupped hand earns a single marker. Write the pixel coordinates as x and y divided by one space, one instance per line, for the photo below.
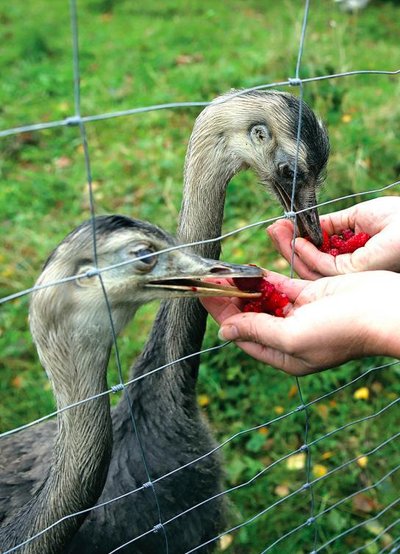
380 218
332 320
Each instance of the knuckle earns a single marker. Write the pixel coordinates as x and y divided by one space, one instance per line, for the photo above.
251 328
291 344
254 326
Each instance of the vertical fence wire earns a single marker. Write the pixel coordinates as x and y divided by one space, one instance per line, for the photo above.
305 447
79 121
126 397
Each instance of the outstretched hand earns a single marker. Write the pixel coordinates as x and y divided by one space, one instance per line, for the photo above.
380 218
331 320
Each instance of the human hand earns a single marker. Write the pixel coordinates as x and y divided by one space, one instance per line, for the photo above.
380 218
332 320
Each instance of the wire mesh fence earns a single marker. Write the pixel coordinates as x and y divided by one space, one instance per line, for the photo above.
308 534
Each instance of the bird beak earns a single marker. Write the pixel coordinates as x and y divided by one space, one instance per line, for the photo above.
307 221
192 283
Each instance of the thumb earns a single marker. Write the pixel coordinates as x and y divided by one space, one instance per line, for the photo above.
253 327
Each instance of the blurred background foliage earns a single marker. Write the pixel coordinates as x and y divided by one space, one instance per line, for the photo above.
163 51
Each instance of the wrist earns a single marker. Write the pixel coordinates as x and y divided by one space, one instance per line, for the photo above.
382 327
386 339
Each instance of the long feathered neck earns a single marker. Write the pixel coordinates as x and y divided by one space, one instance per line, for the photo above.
77 366
209 166
180 324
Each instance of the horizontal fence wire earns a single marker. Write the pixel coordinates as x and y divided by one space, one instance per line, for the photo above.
393 546
307 487
75 120
332 507
99 270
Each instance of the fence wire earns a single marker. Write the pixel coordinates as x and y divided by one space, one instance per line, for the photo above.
160 523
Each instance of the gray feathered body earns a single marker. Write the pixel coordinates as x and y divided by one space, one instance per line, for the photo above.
173 433
22 459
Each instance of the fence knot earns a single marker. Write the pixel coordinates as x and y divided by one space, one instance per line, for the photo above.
92 273
290 215
72 120
294 81
148 485
303 447
310 521
299 408
158 527
305 486
117 388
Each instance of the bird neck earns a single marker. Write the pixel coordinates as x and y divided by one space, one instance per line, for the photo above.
82 449
209 166
180 324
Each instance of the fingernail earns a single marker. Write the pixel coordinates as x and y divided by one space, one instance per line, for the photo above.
228 332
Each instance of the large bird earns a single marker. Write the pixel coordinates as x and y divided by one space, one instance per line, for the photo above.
256 130
70 325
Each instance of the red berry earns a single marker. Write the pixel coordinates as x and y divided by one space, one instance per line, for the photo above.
336 242
271 302
266 288
356 241
347 234
344 243
325 242
253 306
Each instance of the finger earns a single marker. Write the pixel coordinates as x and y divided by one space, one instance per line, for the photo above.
335 222
275 358
291 287
366 217
326 265
281 226
220 308
260 328
315 261
281 234
303 270
378 253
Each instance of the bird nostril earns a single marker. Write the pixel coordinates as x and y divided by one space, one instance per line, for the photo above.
221 270
286 171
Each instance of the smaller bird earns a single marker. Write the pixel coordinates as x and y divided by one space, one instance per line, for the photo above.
70 325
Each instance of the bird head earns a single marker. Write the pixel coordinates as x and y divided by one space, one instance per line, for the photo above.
145 265
258 130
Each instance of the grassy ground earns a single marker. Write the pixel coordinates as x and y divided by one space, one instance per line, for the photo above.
176 51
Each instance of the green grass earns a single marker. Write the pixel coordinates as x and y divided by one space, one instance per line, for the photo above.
178 51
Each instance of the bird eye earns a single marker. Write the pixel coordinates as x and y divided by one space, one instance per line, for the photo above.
143 254
88 270
259 133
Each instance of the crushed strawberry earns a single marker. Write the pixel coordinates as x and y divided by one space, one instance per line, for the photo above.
345 243
271 301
